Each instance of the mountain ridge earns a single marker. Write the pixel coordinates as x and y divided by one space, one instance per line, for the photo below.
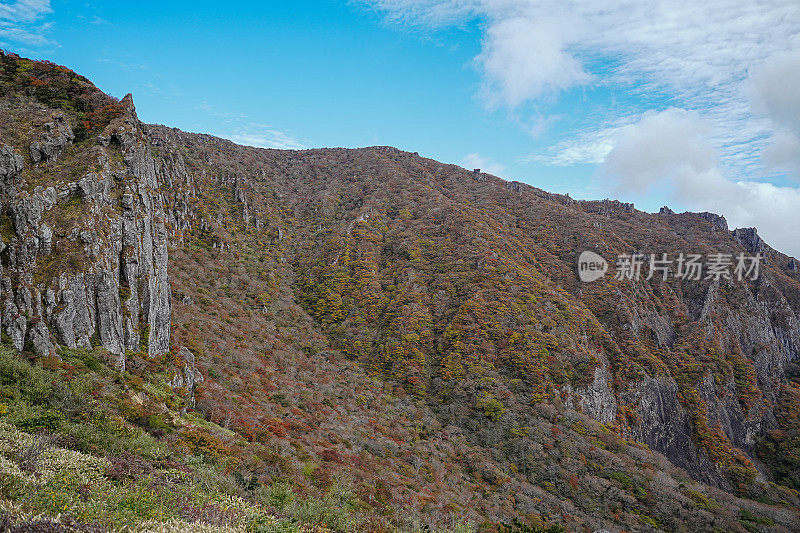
448 297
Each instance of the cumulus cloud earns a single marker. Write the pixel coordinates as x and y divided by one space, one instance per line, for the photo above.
673 148
776 89
525 59
775 92
21 22
669 145
474 160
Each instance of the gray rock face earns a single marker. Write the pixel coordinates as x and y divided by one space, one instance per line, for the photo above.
749 238
764 328
189 378
49 147
11 163
664 425
718 223
597 400
120 298
39 337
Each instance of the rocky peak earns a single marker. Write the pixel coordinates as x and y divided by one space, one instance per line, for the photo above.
130 109
718 223
608 207
749 238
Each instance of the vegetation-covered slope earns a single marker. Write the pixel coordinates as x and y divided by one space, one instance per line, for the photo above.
370 340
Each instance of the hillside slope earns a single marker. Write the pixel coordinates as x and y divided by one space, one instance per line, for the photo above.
409 329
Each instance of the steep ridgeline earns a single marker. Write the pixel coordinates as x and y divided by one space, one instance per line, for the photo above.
457 289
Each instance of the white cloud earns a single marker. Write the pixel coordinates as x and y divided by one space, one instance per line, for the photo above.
20 22
524 59
25 10
775 89
684 45
474 160
668 145
775 92
673 148
770 208
696 53
783 154
265 137
591 147
239 128
432 13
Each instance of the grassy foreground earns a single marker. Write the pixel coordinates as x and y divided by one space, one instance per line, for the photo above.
86 448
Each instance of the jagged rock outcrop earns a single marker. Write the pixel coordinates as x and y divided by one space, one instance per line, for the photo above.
607 207
40 339
597 400
57 135
718 223
749 238
189 378
11 164
108 281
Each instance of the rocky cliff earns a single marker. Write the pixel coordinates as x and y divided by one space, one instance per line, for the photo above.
85 243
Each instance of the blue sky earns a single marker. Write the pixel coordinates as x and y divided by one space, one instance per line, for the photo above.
667 102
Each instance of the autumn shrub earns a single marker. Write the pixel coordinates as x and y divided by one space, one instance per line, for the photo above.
127 466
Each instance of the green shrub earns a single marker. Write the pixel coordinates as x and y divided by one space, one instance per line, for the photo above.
42 419
20 380
491 406
11 485
278 495
701 500
268 524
